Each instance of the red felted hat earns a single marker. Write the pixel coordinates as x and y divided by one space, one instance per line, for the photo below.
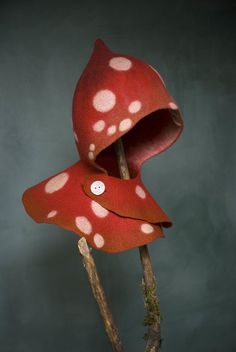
119 95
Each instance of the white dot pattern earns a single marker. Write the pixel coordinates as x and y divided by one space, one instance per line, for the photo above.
147 228
83 224
173 106
111 130
92 147
135 106
52 213
99 126
104 100
125 125
140 192
56 183
120 63
98 210
98 240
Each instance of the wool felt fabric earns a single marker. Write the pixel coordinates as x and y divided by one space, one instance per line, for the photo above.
114 221
116 96
120 95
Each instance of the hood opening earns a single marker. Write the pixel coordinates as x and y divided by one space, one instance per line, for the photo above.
150 136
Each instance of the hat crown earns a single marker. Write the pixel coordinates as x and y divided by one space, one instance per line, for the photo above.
119 95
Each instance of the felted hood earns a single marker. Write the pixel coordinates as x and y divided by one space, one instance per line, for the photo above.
119 95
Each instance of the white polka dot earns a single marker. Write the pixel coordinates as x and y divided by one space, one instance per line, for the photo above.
104 100
111 130
99 126
134 107
83 224
125 124
158 74
91 155
120 63
76 137
56 183
92 147
98 240
173 106
140 192
147 228
98 209
52 214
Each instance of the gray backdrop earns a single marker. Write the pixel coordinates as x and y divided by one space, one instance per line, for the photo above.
45 300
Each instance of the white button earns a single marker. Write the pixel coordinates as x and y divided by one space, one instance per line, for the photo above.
97 187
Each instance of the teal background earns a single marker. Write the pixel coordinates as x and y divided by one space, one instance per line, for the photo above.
45 299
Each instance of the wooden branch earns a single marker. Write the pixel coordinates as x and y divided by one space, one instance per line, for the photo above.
99 296
121 160
151 301
152 320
